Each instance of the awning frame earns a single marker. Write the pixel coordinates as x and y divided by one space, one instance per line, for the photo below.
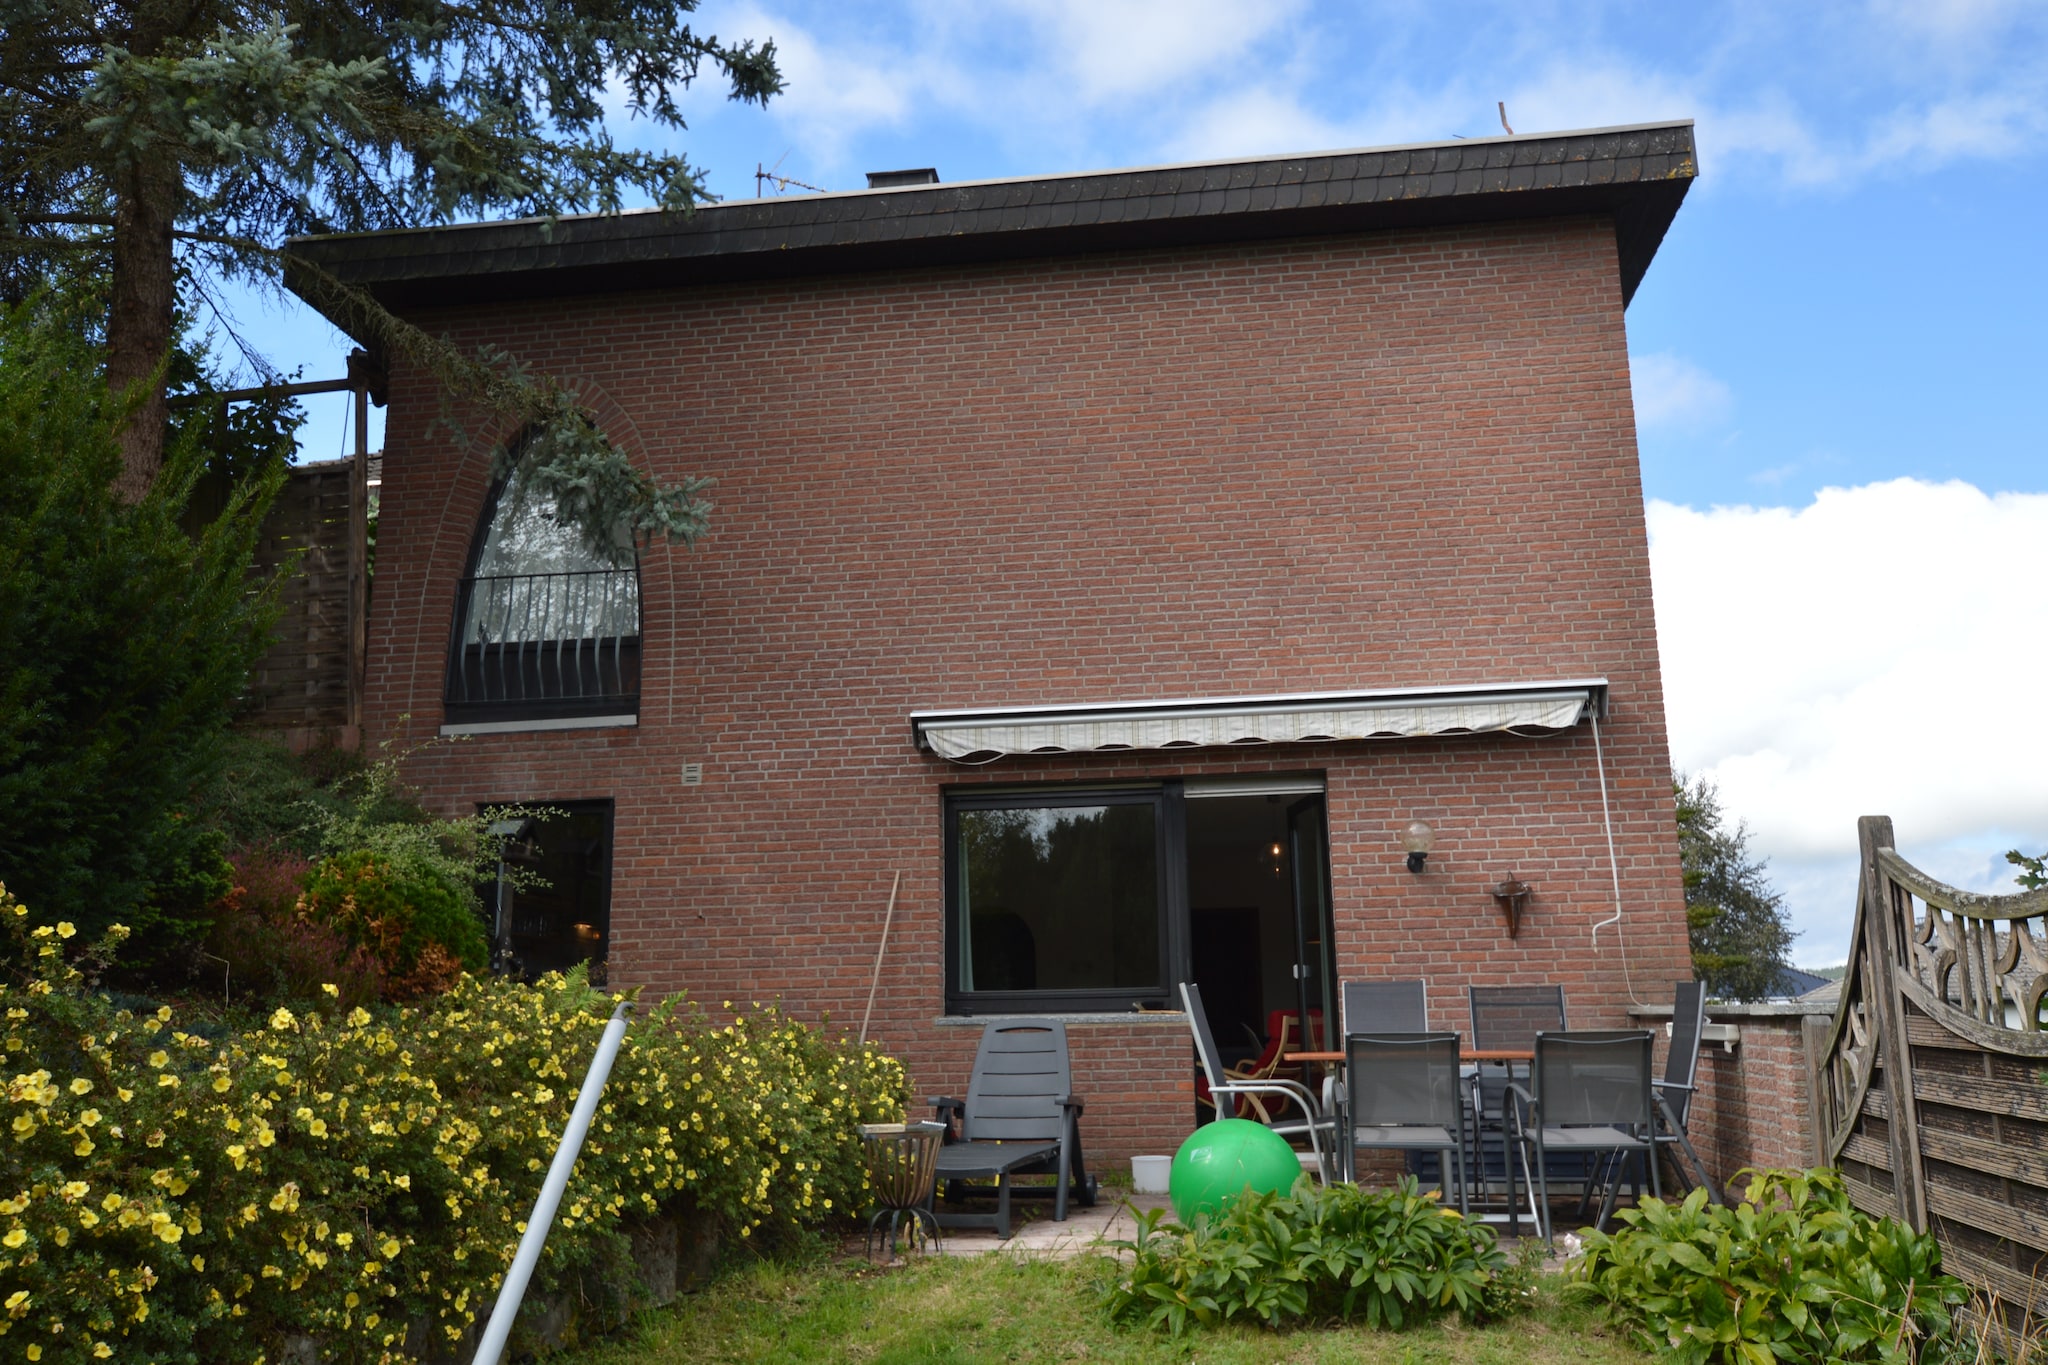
1591 692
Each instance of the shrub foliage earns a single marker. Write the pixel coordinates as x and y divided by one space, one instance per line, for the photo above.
1791 1273
176 1194
1390 1258
125 640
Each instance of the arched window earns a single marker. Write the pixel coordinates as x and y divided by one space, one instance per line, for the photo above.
547 625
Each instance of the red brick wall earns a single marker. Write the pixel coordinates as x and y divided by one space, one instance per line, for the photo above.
1754 1106
1399 460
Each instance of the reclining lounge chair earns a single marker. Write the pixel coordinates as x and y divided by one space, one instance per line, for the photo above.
1020 1117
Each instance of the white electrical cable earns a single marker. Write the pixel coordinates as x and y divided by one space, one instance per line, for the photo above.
543 1216
1613 866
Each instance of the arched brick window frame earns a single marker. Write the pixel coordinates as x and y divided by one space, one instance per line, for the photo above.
546 629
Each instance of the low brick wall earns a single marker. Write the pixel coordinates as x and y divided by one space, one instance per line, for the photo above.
1754 1104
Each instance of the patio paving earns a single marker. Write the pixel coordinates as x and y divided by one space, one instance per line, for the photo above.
1094 1229
1042 1239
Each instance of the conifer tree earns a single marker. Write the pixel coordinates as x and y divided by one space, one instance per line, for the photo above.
1739 934
162 143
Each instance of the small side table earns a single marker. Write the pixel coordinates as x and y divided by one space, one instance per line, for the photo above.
903 1167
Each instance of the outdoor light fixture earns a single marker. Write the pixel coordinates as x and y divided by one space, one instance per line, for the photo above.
1510 893
1418 839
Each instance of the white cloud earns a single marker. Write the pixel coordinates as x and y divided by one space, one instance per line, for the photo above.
1671 391
1114 49
1878 652
834 91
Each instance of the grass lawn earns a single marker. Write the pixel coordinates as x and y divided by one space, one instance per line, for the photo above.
992 1308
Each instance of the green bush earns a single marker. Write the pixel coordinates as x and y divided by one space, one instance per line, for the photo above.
125 640
1792 1273
189 1196
1391 1258
422 931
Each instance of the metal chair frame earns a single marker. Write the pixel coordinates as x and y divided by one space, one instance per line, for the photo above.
1404 1093
1579 1103
1676 1089
1507 1017
1224 1088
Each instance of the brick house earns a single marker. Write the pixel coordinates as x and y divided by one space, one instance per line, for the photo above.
1124 559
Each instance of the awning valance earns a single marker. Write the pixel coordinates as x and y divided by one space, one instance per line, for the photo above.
1308 717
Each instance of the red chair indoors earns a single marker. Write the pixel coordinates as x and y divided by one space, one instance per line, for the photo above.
1282 1037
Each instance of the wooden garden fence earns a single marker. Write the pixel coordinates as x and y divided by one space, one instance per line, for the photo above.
1932 1089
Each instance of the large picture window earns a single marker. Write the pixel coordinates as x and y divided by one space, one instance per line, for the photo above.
1102 899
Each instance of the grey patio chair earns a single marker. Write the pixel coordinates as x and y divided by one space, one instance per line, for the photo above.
1512 1016
1509 1018
1385 1006
1020 1117
1405 1094
1222 1086
1397 1006
1590 1095
1675 1091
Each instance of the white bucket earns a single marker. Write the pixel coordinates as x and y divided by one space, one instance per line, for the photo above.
1149 1174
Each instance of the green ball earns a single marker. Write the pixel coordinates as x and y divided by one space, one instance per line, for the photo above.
1222 1160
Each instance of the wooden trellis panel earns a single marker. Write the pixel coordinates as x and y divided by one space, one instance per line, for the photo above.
1930 1094
305 681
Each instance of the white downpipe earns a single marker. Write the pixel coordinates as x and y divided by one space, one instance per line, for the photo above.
542 1218
1613 866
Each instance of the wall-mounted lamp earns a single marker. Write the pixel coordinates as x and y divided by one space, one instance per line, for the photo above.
1418 839
1511 893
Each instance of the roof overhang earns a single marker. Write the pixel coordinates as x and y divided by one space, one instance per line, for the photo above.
1636 175
1288 718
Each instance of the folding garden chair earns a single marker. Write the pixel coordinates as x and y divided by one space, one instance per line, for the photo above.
1591 1095
1385 1006
1223 1088
1675 1091
1404 1093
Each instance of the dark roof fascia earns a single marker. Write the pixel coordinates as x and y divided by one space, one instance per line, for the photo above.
1637 175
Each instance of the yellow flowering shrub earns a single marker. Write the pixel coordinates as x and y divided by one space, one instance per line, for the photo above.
178 1195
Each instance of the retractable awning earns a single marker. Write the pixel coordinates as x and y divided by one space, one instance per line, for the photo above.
1299 718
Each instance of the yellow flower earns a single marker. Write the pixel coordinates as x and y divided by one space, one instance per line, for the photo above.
158 1058
75 1189
100 1349
14 1238
34 1352
81 1086
390 1248
199 1264
282 1019
65 928
330 989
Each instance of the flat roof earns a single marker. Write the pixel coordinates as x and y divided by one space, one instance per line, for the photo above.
1637 174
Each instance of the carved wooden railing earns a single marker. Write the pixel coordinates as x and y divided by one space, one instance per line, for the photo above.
1929 1092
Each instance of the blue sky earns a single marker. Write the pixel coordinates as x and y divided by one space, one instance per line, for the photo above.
1853 295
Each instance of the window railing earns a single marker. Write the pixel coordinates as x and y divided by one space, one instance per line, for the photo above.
536 646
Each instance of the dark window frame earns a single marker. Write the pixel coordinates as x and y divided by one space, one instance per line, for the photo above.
606 808
538 668
1170 833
